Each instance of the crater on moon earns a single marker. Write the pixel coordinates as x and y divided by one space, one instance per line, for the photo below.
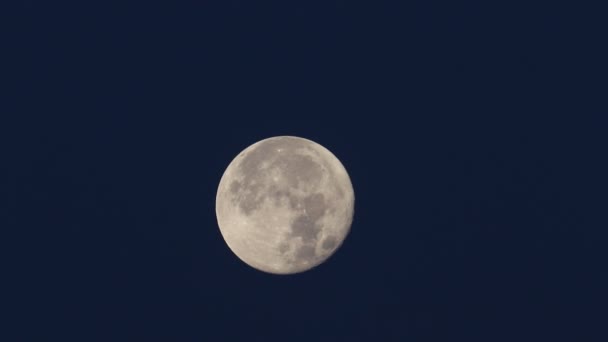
285 204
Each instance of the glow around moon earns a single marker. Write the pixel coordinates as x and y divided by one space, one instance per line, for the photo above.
285 205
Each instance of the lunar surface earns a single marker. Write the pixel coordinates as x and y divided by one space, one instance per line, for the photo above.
285 205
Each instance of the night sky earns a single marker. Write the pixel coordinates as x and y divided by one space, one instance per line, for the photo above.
469 130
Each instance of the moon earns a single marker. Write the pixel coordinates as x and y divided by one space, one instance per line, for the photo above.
284 205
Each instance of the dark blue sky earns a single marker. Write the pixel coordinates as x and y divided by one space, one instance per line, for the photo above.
468 128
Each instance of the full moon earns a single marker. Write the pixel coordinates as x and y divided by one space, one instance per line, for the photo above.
285 205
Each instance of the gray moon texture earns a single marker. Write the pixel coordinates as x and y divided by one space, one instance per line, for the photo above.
285 205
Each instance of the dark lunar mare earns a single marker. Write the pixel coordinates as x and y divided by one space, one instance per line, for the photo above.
307 227
245 193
